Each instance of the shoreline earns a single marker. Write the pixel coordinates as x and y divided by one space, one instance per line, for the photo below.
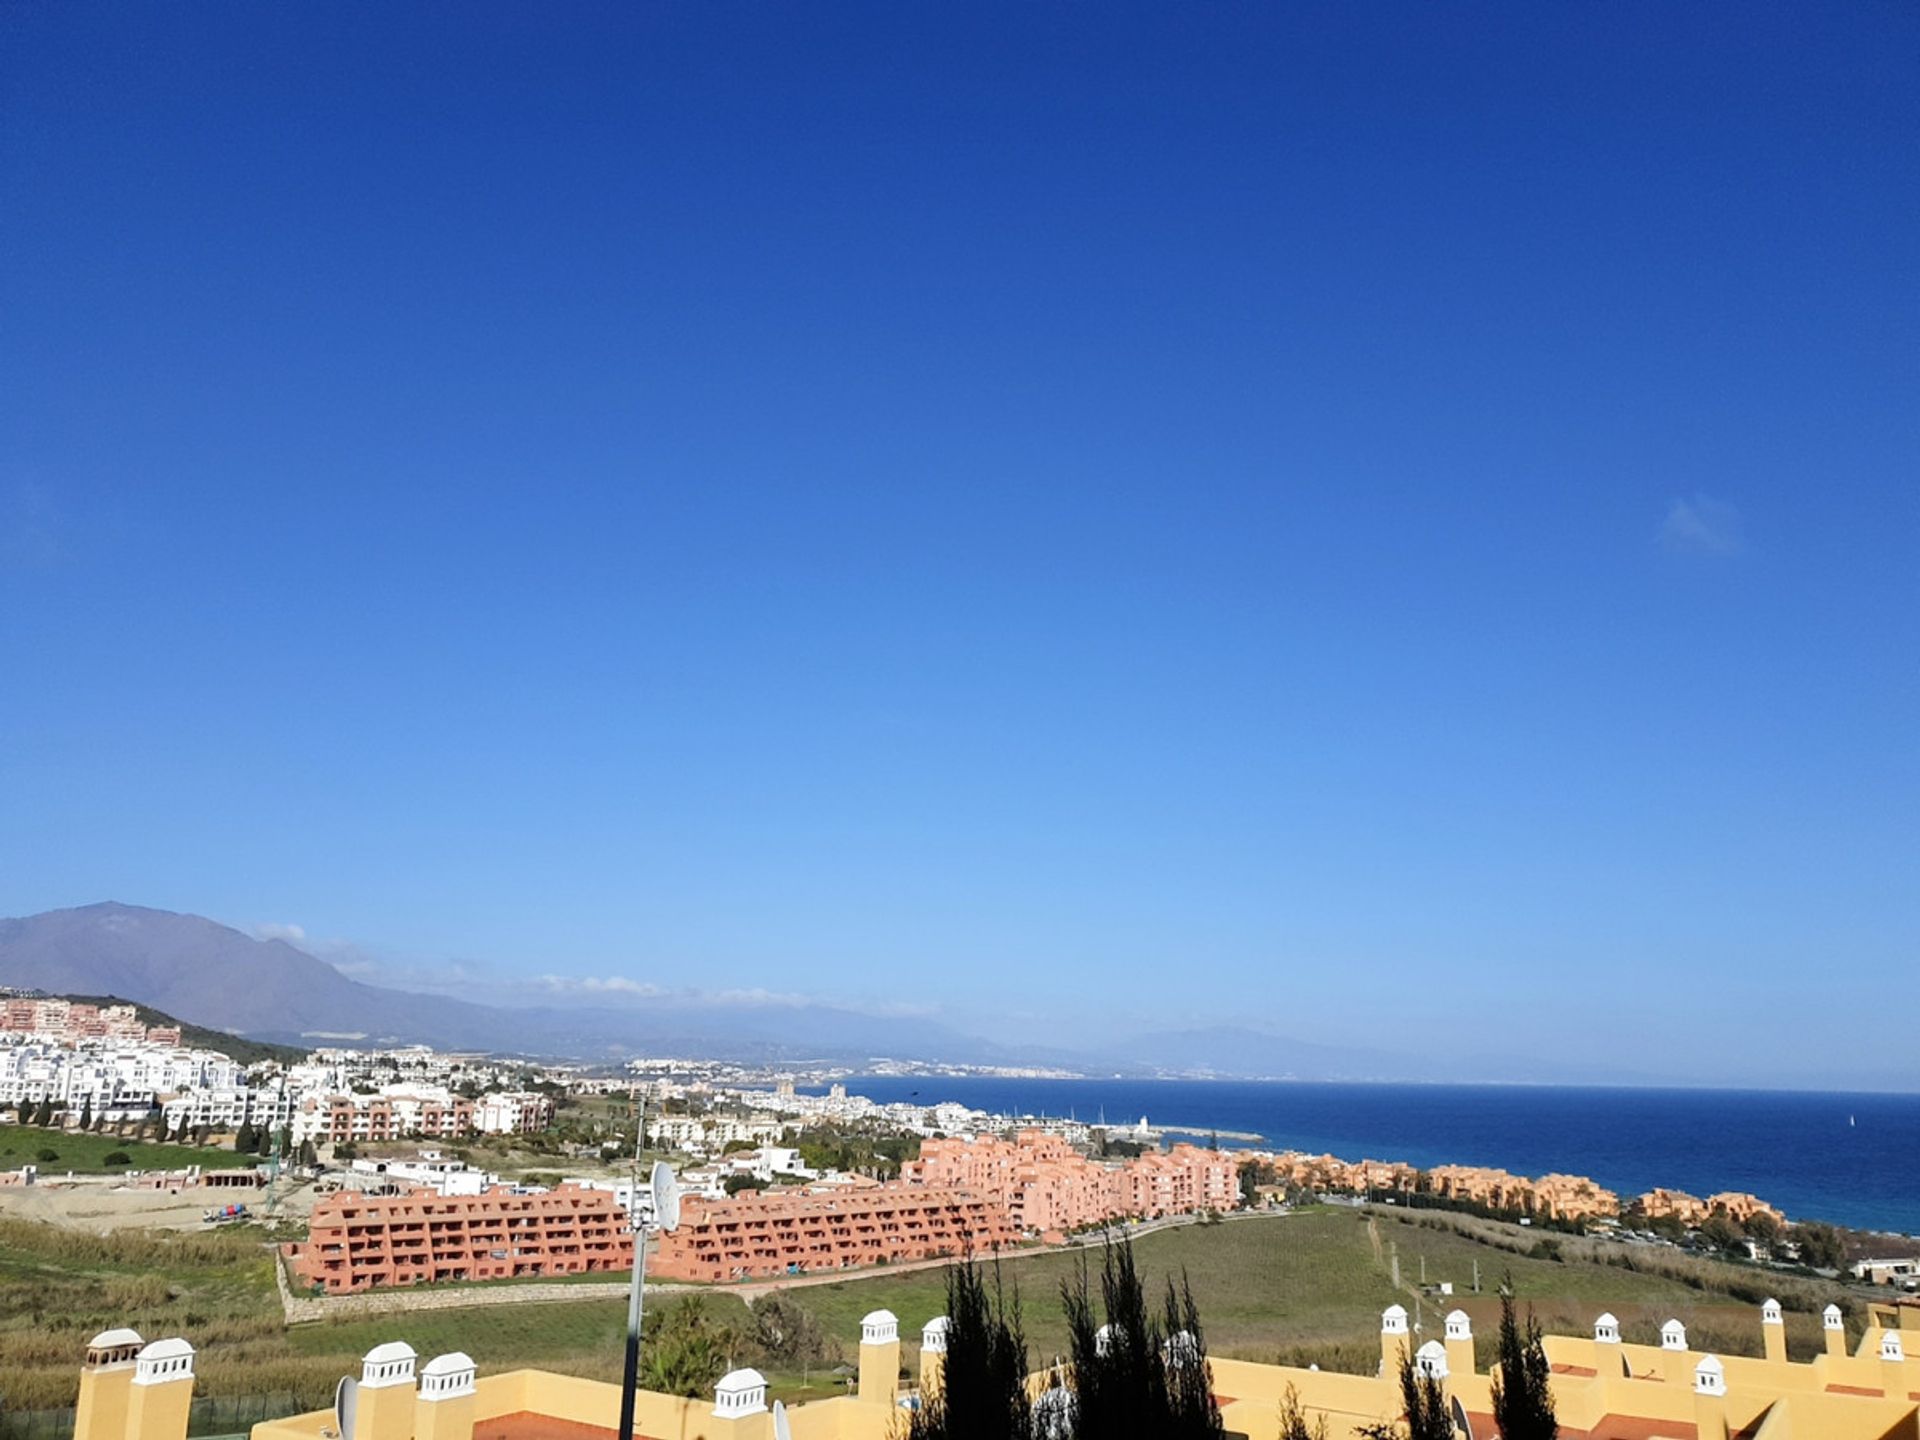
1803 1151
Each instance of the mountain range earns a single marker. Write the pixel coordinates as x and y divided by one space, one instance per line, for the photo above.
271 990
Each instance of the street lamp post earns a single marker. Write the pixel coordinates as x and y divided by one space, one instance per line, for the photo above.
666 1216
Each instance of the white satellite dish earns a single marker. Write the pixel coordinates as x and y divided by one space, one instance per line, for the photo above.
782 1428
666 1197
346 1398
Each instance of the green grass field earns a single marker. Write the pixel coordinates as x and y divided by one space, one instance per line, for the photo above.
85 1154
1298 1288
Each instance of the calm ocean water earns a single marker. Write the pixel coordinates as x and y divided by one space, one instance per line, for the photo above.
1793 1148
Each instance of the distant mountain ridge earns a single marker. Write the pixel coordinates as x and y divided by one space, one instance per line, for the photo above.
190 966
197 968
212 975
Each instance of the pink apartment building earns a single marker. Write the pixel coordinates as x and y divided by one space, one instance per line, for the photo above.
1047 1187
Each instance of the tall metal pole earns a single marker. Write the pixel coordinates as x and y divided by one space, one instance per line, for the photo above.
636 1297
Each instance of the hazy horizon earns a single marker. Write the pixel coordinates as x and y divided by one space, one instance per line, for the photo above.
1365 526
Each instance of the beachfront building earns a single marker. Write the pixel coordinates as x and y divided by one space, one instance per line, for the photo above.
1691 1211
1556 1197
769 1233
1573 1197
1047 1188
358 1242
1604 1389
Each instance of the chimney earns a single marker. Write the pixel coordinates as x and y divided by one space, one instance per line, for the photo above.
106 1384
1835 1326
384 1407
1393 1339
160 1398
1710 1399
1677 1363
740 1406
1773 1332
1460 1343
1430 1363
880 1358
1609 1361
1893 1365
443 1408
933 1355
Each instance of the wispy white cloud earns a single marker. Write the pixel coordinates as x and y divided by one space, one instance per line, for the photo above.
292 934
565 988
599 985
1700 525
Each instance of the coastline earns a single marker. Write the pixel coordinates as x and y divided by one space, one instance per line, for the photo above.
1796 1149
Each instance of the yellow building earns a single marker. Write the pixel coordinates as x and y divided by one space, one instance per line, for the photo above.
1605 1388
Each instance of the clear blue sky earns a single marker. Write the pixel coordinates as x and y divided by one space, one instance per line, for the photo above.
1271 514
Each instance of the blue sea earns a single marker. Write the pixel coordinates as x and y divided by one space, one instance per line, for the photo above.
1850 1159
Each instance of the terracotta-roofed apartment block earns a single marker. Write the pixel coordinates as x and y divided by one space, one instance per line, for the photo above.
358 1242
1048 1188
774 1234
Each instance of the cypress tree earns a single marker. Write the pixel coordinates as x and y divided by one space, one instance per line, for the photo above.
1192 1413
983 1389
1138 1374
1119 1384
1522 1378
1425 1403
1293 1420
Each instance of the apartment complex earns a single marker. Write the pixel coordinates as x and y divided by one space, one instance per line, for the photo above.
74 1020
400 1112
1736 1205
356 1242
114 1079
1047 1187
774 1234
1554 1197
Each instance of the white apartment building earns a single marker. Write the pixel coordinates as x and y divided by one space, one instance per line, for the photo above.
119 1081
705 1134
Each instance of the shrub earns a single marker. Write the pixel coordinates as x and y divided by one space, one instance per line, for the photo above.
117 1157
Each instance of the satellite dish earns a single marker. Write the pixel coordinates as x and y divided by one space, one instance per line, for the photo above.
666 1197
782 1427
346 1403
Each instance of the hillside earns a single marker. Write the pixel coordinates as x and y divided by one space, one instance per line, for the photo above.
199 1037
186 965
268 990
